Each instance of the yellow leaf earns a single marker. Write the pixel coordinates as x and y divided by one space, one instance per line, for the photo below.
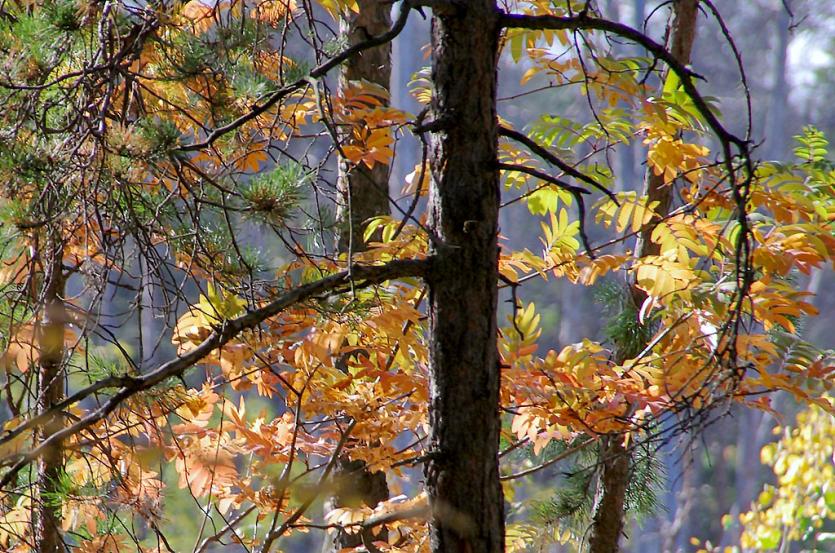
660 276
14 523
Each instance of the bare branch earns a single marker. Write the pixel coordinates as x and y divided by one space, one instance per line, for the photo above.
573 190
583 21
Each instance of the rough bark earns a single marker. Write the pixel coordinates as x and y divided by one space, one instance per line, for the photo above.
363 192
462 475
46 516
608 518
607 521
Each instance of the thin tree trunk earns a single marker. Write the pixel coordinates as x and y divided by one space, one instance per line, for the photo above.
776 145
672 531
608 517
363 194
47 520
607 520
462 475
655 187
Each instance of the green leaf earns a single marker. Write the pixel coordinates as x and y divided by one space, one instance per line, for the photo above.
547 199
224 306
813 146
770 539
671 83
517 44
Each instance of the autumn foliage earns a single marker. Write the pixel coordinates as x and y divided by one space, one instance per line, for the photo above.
179 155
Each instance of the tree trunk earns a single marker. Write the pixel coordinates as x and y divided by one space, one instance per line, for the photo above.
607 521
462 475
46 515
777 145
363 192
608 518
683 35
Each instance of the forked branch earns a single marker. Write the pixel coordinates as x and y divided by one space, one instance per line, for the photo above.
316 73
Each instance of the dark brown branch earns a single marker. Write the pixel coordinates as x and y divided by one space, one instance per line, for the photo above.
357 276
543 176
315 73
575 191
543 152
729 141
583 21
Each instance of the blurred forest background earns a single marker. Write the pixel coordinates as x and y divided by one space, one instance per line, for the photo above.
787 50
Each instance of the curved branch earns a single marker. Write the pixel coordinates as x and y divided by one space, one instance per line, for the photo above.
317 72
575 191
542 176
583 21
728 140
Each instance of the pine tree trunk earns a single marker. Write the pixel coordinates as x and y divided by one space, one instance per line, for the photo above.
462 475
363 194
46 516
608 518
607 521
